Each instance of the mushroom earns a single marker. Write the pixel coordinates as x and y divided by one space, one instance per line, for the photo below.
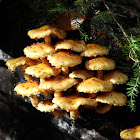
64 60
116 77
72 103
42 70
57 84
103 108
46 32
94 85
12 64
38 50
74 45
112 98
82 74
94 50
46 106
28 88
100 63
131 133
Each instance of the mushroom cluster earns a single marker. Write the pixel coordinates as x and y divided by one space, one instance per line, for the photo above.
70 75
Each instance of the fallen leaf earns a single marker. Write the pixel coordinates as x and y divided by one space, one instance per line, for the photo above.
71 21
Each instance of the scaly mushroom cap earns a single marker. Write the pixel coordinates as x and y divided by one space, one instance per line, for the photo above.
38 50
71 103
94 50
64 59
131 134
112 98
57 84
42 70
82 74
45 31
75 45
27 88
100 63
116 77
12 64
94 85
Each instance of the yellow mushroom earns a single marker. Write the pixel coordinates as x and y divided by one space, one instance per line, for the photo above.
46 32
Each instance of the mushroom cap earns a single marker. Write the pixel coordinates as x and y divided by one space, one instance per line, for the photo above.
75 45
103 108
116 77
71 103
64 59
42 70
46 30
46 106
94 85
94 50
82 74
100 63
38 50
112 98
131 133
27 88
57 84
12 64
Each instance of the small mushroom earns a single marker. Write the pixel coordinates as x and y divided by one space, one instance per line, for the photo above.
112 98
116 77
82 74
12 64
57 84
103 108
72 103
38 50
131 133
42 70
94 50
74 45
100 63
94 85
64 60
46 32
46 106
28 88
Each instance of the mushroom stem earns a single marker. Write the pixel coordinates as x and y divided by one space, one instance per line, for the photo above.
44 60
65 71
99 74
75 114
48 39
58 94
34 100
58 113
26 76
